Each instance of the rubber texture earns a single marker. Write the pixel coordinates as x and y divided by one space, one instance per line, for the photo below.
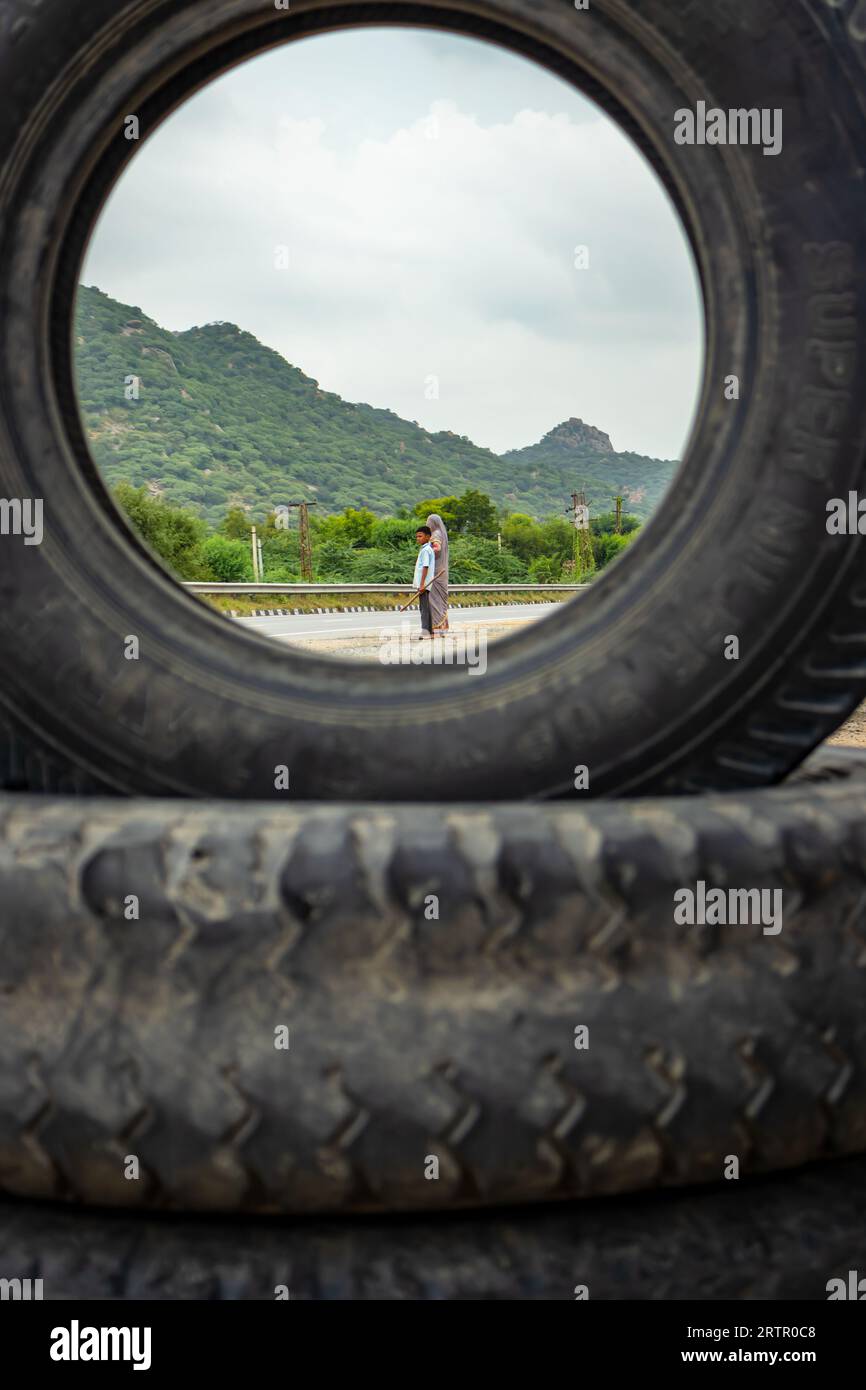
632 680
780 1239
431 966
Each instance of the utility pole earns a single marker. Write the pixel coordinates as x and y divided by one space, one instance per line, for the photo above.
618 501
257 578
584 560
306 545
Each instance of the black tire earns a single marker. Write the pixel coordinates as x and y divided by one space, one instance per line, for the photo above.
413 1037
780 1238
631 681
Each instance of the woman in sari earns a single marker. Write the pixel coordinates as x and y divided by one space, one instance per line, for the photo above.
439 588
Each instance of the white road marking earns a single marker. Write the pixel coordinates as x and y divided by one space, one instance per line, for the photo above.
342 624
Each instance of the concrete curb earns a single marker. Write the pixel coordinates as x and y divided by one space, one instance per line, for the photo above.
392 608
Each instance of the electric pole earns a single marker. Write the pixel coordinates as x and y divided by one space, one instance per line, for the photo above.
306 545
618 501
257 578
584 560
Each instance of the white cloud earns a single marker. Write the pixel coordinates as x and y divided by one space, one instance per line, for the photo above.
410 255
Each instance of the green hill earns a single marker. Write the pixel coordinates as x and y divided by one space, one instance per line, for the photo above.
220 421
576 456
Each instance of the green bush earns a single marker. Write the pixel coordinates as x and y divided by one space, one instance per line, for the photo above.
229 561
394 533
173 533
605 524
382 567
545 571
608 547
236 524
523 536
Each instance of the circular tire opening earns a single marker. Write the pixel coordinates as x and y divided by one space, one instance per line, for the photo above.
388 274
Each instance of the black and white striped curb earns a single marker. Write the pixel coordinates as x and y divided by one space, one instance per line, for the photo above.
304 612
392 608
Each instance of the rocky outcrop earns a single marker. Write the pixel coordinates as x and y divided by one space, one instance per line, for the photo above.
583 438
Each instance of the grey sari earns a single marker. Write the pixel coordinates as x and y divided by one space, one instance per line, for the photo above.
439 587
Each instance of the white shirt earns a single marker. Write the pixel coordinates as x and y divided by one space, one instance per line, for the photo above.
426 558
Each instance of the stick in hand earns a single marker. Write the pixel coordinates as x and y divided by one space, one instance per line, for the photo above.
416 594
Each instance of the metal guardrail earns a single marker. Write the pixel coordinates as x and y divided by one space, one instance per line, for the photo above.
199 588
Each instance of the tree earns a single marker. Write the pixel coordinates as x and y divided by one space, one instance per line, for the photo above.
545 570
523 535
332 562
497 566
475 514
471 514
229 561
381 567
352 527
557 539
605 524
171 532
280 549
446 507
236 524
393 533
607 547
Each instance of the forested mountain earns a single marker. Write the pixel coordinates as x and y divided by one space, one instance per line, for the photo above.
576 456
210 419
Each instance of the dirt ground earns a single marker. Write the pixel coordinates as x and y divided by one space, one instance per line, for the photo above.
854 731
367 647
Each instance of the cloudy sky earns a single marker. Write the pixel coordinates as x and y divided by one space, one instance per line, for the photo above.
431 192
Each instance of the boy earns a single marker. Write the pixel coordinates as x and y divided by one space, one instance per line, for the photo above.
425 568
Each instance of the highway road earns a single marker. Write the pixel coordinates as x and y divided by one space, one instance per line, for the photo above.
355 624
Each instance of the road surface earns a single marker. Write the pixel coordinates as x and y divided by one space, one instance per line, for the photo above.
356 624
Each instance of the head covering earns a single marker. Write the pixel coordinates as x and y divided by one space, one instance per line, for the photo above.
440 534
439 587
